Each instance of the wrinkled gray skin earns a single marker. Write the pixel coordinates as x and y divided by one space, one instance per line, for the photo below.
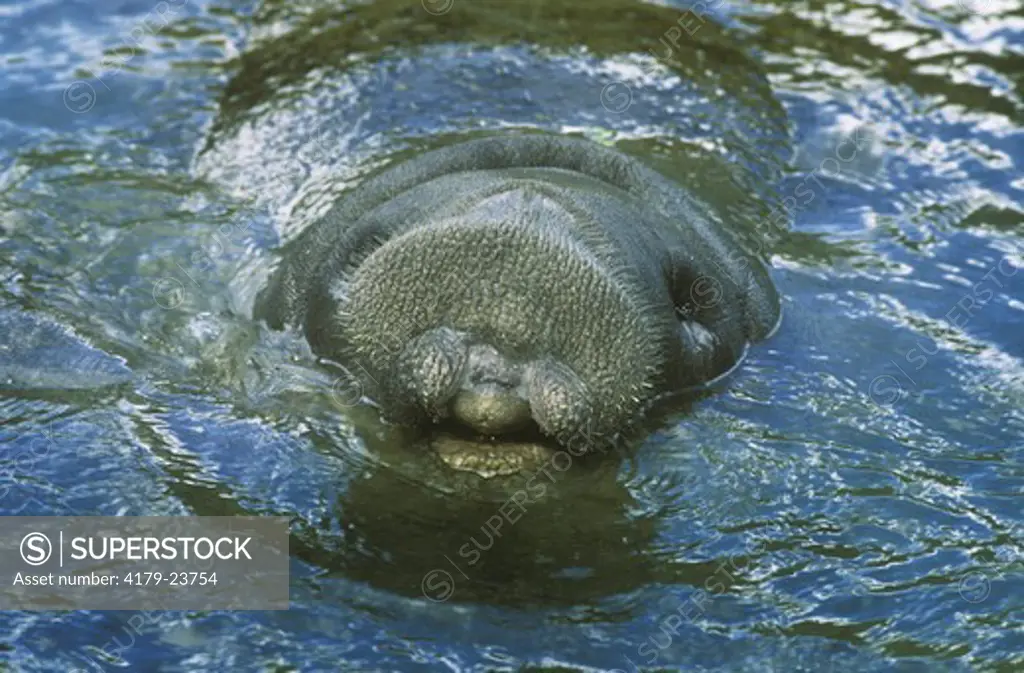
520 281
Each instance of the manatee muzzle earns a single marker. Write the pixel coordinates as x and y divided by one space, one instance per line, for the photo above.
498 325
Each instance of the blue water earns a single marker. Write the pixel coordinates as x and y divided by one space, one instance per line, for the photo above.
849 500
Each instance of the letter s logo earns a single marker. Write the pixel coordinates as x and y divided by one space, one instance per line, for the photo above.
36 549
438 585
616 97
885 390
79 97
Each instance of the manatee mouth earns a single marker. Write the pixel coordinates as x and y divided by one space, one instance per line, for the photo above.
462 448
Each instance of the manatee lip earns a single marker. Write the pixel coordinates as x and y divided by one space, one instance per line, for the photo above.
526 433
462 449
525 430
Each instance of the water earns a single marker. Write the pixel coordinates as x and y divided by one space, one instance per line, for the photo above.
849 501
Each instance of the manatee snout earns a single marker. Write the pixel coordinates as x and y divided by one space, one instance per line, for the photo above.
501 325
451 375
522 282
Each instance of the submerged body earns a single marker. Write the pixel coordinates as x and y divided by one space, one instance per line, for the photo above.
522 283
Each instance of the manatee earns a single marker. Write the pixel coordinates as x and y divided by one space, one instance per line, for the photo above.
522 285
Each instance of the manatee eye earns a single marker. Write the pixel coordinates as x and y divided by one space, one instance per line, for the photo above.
430 369
558 398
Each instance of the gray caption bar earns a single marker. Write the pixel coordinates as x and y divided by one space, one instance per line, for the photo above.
144 563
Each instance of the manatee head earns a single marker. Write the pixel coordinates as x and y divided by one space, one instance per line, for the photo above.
508 320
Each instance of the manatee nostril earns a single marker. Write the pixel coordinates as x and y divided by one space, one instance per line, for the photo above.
503 380
500 379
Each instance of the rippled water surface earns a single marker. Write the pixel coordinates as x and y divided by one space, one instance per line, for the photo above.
850 500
